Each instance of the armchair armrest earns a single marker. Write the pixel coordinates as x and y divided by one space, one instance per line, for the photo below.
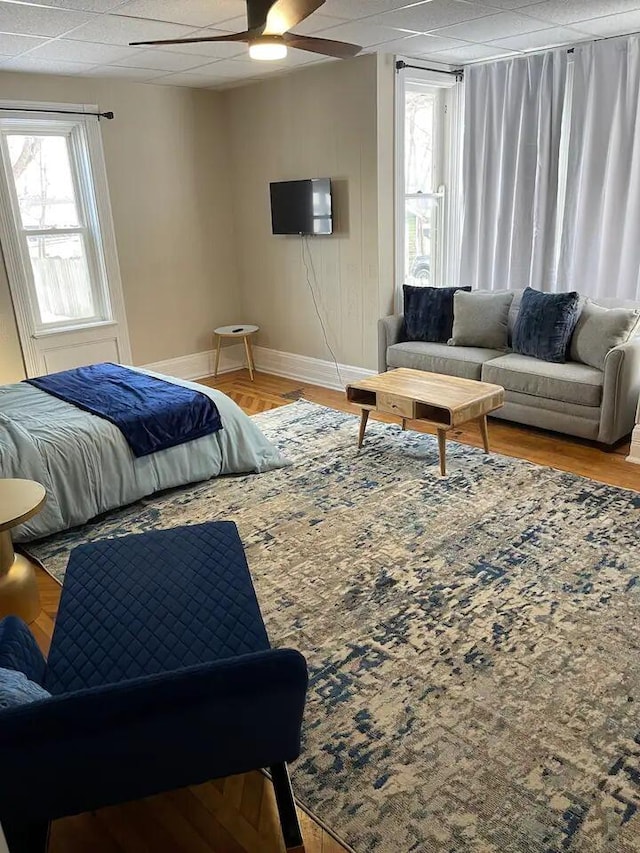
389 331
19 650
129 740
620 392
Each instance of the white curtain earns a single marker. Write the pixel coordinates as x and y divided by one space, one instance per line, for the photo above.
513 123
601 232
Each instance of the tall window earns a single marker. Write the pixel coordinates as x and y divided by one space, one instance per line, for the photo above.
428 185
51 195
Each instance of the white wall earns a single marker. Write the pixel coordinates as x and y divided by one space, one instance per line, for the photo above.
318 122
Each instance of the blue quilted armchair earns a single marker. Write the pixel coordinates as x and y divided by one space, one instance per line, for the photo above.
161 675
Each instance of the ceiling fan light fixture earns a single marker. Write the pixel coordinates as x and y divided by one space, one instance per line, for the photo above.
267 49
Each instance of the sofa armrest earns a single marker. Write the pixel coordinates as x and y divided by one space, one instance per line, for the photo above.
389 331
620 391
78 751
19 650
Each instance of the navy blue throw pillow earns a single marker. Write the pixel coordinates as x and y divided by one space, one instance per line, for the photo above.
428 313
545 324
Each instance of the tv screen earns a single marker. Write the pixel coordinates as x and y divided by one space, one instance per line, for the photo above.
301 207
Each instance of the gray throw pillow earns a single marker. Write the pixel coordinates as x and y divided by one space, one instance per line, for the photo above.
480 319
17 689
600 329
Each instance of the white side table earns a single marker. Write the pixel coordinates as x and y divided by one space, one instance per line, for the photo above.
20 500
239 331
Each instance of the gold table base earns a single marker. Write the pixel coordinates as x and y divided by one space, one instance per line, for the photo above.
19 595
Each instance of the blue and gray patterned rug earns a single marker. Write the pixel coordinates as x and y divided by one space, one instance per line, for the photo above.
473 642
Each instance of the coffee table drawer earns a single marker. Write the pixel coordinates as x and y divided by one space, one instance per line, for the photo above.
394 405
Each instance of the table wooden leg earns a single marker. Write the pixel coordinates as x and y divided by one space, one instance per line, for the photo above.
363 425
249 351
484 429
215 370
404 423
442 450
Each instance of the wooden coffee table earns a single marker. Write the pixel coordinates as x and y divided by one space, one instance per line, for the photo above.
415 395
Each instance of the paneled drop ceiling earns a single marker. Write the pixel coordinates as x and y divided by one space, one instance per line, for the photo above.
90 37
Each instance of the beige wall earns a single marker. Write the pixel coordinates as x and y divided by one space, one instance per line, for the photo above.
168 169
318 122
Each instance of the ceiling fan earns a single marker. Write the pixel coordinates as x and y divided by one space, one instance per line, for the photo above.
268 33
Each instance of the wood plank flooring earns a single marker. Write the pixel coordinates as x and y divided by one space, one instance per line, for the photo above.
238 814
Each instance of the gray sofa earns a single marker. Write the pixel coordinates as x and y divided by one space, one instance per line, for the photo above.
572 398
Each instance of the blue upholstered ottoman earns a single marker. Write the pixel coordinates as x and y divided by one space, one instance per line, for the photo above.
162 676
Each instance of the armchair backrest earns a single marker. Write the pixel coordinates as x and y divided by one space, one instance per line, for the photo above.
19 650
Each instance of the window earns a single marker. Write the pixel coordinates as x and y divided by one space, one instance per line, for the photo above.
428 186
55 231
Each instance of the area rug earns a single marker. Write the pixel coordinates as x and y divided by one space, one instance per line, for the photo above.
473 642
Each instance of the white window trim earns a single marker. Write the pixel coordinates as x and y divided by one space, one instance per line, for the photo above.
451 225
12 251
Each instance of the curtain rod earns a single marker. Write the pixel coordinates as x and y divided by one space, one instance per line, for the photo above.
108 115
458 73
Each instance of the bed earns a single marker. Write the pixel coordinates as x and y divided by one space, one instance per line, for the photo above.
87 466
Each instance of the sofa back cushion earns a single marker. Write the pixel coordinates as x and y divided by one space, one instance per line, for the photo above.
600 329
428 313
480 319
545 324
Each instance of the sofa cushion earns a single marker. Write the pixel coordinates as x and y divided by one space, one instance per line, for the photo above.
545 324
569 382
428 313
480 319
440 358
600 329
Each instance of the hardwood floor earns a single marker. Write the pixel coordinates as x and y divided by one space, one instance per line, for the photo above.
238 814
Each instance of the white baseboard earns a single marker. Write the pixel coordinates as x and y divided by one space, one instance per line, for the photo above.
287 364
634 453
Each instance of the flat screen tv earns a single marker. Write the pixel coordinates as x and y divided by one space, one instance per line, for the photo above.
301 207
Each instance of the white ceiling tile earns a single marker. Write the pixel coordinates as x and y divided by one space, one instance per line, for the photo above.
473 53
38 20
233 25
504 4
238 69
141 75
208 49
419 45
612 25
11 45
227 10
116 29
493 27
361 33
195 13
574 11
354 9
98 6
32 66
162 60
81 51
314 23
425 17
541 39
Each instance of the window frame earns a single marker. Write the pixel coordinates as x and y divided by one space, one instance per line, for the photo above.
94 209
447 173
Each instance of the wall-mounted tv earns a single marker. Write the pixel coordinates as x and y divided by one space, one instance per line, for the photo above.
301 207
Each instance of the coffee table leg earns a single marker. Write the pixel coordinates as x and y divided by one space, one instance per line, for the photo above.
19 593
215 369
404 423
442 449
247 349
484 429
363 425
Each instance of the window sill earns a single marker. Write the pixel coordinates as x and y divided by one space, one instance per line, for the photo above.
65 330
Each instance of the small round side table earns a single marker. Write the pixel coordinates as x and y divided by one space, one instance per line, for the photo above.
20 500
239 331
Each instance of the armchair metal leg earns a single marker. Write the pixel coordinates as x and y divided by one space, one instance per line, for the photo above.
286 807
26 837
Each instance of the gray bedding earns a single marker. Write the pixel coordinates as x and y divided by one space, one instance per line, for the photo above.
87 467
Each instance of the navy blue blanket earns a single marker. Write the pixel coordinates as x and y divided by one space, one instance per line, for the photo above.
151 414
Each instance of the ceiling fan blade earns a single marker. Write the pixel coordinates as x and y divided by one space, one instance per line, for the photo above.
230 37
286 14
328 47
